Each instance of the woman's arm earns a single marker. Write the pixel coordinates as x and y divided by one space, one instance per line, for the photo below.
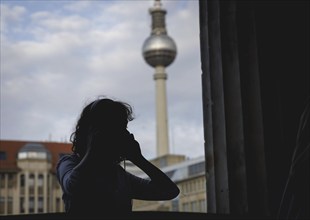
71 168
160 186
66 175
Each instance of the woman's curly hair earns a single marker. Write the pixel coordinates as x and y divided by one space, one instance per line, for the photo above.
103 113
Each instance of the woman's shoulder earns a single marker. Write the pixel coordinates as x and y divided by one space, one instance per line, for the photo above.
68 157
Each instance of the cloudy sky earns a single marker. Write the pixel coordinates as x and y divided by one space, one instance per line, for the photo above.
57 56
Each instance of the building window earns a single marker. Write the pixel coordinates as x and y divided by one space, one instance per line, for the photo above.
187 187
191 187
10 205
31 204
22 205
203 206
175 205
2 201
11 180
2 180
31 180
22 180
57 204
22 184
48 191
162 162
31 184
32 155
40 204
194 207
186 207
40 180
196 168
40 184
3 155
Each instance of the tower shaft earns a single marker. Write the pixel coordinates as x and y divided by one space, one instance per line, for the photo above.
161 111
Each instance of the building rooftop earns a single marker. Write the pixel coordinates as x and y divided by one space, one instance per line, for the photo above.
10 150
34 151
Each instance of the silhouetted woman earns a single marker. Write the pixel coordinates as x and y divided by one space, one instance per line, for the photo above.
92 179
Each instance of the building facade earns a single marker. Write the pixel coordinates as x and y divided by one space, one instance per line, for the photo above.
28 183
189 175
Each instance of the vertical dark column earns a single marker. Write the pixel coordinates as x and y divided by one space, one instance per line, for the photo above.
218 109
252 112
233 110
283 49
207 111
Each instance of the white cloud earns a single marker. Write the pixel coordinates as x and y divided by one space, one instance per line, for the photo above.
62 23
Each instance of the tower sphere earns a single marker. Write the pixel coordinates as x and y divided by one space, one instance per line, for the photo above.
159 50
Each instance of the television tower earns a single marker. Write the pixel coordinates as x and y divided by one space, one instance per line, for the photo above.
159 51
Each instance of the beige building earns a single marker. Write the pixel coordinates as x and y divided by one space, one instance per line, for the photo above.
28 183
188 174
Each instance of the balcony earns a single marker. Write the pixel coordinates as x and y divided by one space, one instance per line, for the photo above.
137 215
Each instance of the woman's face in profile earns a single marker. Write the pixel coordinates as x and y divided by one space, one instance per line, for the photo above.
113 141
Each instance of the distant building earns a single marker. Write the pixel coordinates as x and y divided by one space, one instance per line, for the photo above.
28 183
188 174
